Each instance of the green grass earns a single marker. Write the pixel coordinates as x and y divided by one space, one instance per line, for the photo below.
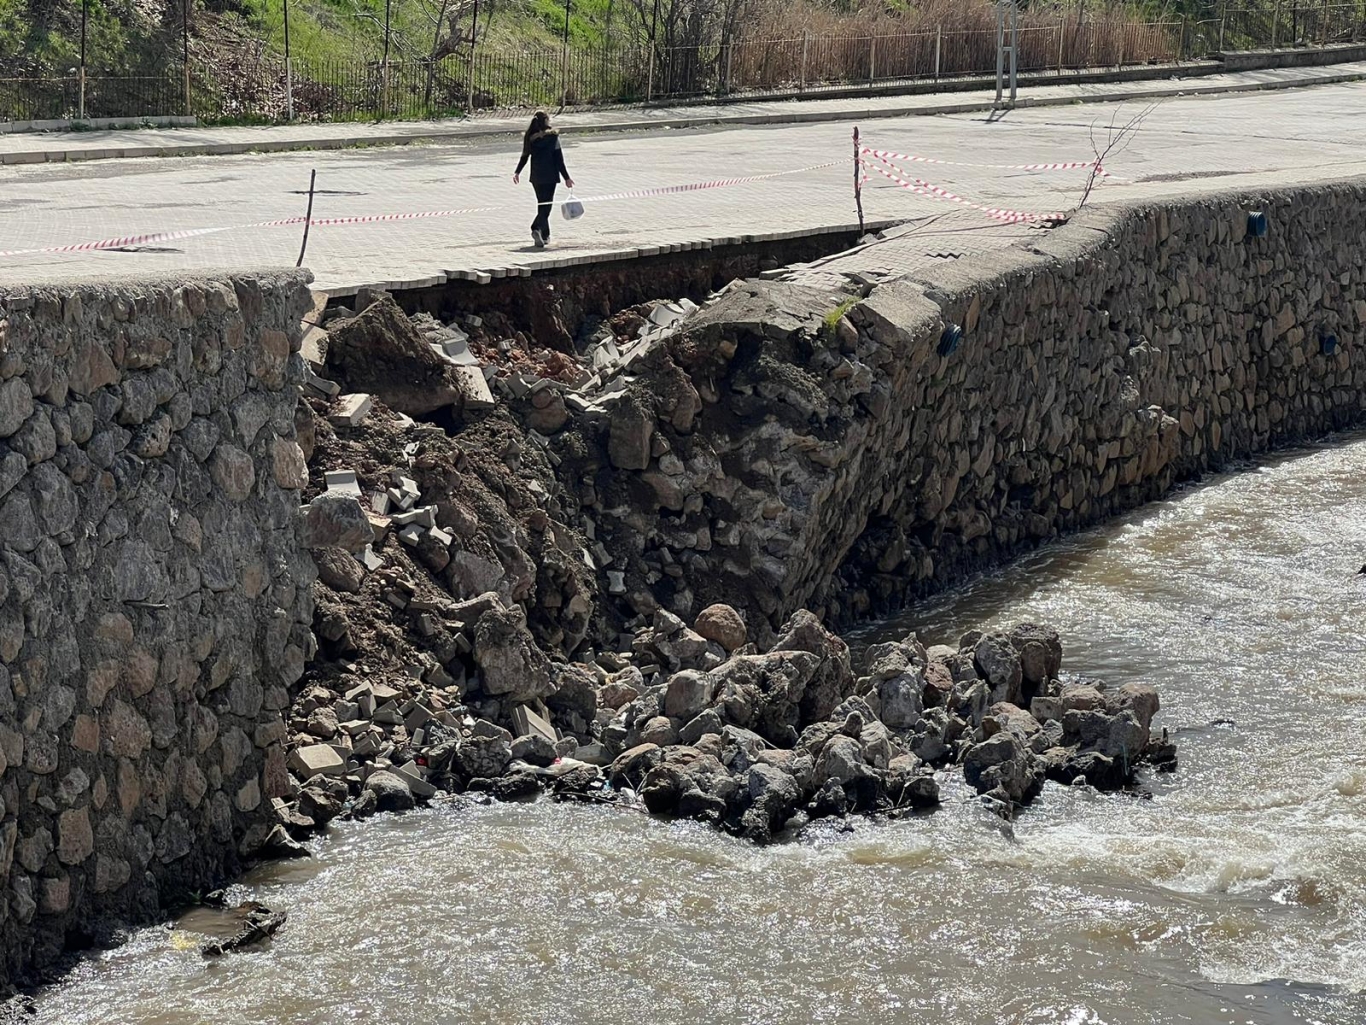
837 314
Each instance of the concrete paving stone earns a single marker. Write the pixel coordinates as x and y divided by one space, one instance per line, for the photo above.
351 410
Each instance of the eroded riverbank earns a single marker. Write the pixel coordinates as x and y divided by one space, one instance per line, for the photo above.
1237 600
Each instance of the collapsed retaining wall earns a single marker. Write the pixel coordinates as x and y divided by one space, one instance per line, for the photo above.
155 603
802 459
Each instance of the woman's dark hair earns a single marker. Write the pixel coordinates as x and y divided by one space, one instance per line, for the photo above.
540 121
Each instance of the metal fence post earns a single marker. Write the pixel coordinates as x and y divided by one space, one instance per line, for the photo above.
1223 18
1181 48
384 68
938 49
1014 49
185 52
806 46
1323 34
1000 49
1062 34
564 60
80 101
289 71
654 42
1275 24
872 59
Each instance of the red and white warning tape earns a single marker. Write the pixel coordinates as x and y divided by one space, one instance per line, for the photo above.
126 241
1066 165
925 188
117 243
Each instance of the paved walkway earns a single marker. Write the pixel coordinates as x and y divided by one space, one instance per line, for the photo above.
25 148
367 197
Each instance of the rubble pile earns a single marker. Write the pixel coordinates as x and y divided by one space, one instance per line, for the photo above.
481 631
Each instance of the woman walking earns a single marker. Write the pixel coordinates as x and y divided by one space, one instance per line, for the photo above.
542 147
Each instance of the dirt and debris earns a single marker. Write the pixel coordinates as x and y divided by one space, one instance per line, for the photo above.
512 615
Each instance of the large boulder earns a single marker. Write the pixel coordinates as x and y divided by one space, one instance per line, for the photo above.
484 757
510 662
774 796
1004 766
687 694
832 679
723 625
391 791
998 663
334 520
841 759
1040 652
380 352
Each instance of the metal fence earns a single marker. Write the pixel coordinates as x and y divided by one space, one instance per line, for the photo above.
1281 27
264 90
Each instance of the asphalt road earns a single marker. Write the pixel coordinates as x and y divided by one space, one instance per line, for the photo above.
1183 145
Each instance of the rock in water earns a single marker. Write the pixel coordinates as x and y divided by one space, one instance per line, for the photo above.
259 924
391 791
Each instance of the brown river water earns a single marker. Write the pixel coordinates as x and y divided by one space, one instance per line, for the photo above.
1234 893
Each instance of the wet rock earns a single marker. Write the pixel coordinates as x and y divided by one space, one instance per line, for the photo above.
663 788
484 757
259 923
774 796
534 749
322 803
1003 761
1040 652
999 664
391 791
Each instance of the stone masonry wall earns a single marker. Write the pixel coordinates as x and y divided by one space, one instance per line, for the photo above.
804 460
155 603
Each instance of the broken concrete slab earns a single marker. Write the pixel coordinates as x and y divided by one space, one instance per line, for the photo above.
423 517
316 759
476 388
321 386
342 482
350 410
417 783
526 720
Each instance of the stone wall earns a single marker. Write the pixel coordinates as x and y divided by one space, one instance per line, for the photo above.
154 601
846 464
